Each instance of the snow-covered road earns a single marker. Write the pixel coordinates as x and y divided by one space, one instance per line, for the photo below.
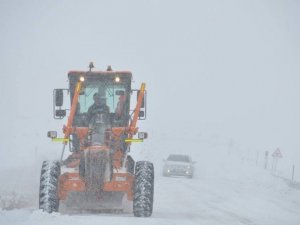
225 190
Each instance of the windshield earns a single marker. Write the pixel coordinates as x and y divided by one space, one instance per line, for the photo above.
179 158
113 95
108 92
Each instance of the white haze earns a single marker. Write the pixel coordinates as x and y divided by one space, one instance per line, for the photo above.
223 72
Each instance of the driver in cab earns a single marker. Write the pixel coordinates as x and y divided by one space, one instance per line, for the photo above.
99 107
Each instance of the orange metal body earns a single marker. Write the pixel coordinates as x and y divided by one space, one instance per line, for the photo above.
70 182
120 182
125 185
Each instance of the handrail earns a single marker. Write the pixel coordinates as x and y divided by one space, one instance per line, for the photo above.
132 126
68 128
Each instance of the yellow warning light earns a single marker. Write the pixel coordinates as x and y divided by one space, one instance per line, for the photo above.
134 140
60 139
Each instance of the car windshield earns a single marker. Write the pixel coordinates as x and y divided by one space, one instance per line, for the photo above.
178 158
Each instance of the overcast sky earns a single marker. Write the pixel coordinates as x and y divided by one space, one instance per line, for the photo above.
228 68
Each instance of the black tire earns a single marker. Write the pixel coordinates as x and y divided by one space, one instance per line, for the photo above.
143 189
48 199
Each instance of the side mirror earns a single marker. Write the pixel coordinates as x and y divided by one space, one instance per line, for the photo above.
58 97
52 134
60 113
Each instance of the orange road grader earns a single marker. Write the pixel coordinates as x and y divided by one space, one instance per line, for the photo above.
99 173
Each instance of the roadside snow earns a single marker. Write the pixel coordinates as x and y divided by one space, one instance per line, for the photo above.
225 190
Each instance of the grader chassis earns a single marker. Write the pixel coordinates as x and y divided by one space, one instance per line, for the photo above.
99 172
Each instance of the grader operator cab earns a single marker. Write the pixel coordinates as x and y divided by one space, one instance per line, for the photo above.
99 173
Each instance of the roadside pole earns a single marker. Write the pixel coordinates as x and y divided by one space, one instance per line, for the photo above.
276 154
266 159
293 173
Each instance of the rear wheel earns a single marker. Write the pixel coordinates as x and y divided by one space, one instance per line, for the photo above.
143 189
48 199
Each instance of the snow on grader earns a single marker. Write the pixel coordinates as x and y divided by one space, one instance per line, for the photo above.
99 174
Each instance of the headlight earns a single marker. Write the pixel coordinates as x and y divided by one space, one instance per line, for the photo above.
142 135
52 134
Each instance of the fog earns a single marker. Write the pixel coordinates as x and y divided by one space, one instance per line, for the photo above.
223 71
211 67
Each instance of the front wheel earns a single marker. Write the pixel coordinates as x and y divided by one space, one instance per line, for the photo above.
143 189
48 199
